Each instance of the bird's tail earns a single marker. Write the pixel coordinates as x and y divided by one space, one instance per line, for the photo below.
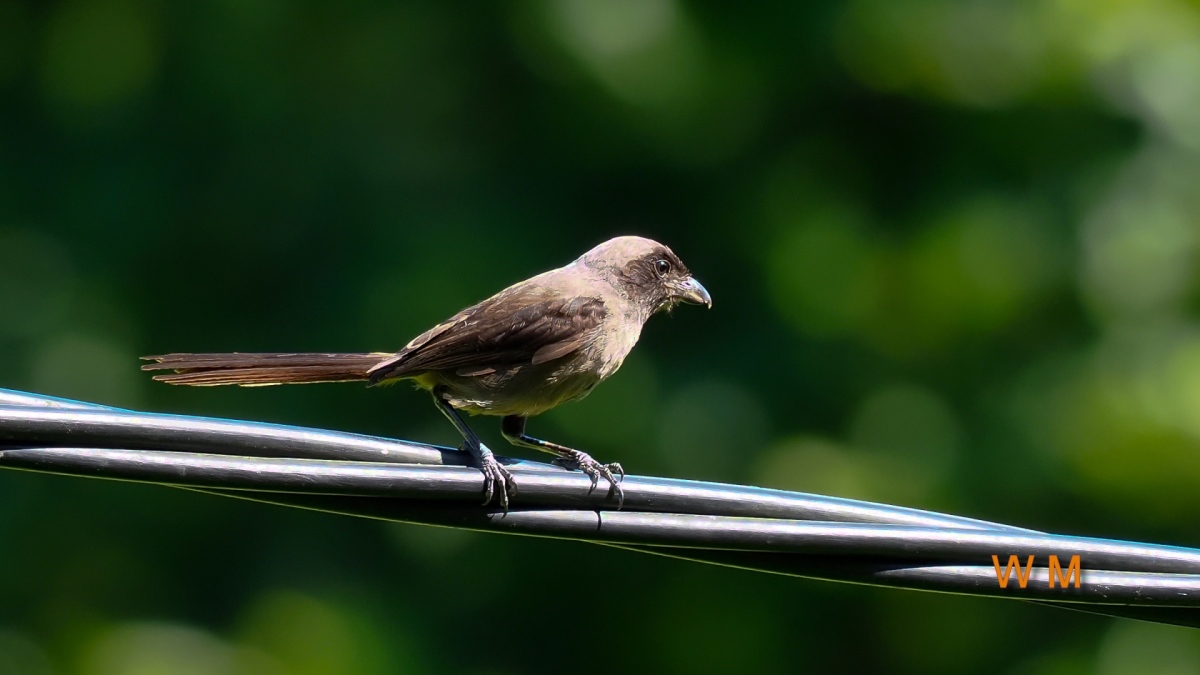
260 370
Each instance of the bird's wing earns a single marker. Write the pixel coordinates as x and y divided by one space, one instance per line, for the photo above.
520 326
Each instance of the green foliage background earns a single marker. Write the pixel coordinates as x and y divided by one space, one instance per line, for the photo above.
952 247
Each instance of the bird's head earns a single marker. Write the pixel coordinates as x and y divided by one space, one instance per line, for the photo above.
646 272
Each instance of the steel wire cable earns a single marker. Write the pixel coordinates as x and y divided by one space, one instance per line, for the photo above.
752 528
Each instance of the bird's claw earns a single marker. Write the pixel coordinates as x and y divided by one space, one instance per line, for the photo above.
494 473
581 461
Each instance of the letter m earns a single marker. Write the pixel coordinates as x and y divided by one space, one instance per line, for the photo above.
1056 572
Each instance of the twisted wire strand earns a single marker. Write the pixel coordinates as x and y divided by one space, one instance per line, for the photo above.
773 531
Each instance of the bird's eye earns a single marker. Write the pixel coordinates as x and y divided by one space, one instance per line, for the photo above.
662 267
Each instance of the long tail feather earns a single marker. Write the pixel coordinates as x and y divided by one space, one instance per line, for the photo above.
258 370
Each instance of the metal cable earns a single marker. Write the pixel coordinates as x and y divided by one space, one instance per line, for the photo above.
751 528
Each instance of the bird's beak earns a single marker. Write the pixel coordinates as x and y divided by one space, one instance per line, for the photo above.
690 290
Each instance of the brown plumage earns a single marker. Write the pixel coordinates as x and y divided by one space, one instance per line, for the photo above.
530 347
203 370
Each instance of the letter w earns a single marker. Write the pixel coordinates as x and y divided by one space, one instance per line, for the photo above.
1013 562
1056 572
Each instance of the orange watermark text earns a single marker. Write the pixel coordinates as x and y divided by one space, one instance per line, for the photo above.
1054 571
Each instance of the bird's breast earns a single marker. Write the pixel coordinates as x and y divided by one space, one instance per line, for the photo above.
614 344
524 390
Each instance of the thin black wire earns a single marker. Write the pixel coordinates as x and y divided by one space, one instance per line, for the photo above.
751 528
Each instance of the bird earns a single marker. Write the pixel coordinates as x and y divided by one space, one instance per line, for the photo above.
537 344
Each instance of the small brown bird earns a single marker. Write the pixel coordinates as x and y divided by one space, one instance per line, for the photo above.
541 342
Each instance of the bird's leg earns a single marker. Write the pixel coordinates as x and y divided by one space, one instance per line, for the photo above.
493 473
513 428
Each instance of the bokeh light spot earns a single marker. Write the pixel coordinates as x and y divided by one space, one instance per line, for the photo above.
157 648
644 52
814 465
710 429
1168 80
310 636
610 28
911 435
1139 252
823 273
98 52
1149 649
975 268
983 53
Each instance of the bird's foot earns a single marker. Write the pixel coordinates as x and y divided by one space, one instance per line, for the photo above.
581 461
494 476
